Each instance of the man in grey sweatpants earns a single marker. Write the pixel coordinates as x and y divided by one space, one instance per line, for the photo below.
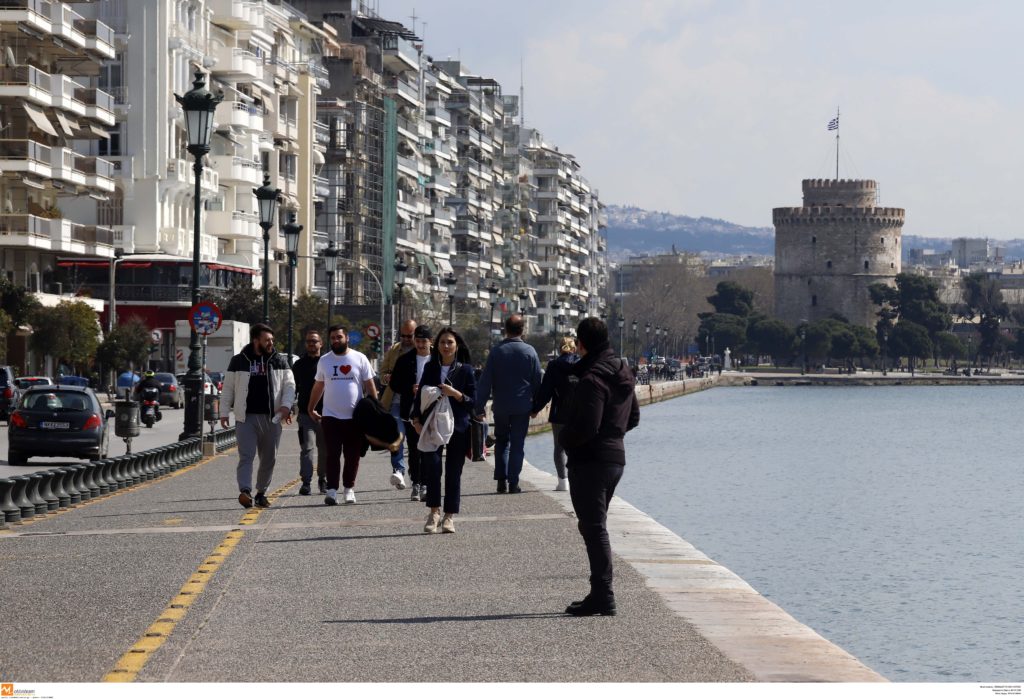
260 387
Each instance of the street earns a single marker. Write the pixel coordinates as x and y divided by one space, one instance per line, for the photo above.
164 432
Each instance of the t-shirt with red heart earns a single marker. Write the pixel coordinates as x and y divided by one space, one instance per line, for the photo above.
343 376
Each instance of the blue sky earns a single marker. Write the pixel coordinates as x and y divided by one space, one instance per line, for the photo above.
712 108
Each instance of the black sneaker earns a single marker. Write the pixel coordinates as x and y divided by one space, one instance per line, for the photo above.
261 500
489 441
321 483
304 489
245 498
503 486
514 489
591 606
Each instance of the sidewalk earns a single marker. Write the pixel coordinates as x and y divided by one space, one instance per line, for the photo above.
203 590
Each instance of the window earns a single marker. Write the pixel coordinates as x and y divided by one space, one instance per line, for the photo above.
814 239
814 300
882 241
865 264
828 265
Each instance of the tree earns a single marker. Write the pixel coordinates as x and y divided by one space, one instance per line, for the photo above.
6 326
771 337
867 342
915 299
669 296
68 332
983 300
127 345
726 330
17 302
910 340
731 298
949 346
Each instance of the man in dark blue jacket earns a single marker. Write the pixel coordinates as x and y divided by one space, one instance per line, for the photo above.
604 409
512 378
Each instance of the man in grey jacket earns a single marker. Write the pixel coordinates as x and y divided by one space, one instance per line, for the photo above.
260 387
511 378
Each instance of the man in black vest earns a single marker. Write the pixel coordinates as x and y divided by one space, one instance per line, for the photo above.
310 431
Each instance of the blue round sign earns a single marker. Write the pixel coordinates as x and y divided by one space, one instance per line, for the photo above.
354 338
205 318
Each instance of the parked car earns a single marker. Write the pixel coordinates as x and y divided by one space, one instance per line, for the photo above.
72 381
57 421
24 382
209 387
9 391
171 393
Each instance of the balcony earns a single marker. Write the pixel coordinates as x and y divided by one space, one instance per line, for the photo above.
439 115
238 64
62 163
99 173
321 187
406 91
64 20
240 115
320 74
400 54
30 157
233 168
64 94
321 134
178 171
233 224
237 14
32 13
27 82
99 38
282 69
99 105
408 166
26 231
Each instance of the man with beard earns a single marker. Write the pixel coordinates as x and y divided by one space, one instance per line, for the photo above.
390 400
343 377
260 388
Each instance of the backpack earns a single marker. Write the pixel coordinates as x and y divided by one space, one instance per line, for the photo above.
565 408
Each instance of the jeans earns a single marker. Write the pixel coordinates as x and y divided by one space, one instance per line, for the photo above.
591 487
398 458
311 434
509 444
454 455
417 472
256 434
559 454
342 437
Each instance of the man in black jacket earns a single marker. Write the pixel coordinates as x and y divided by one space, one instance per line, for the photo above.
310 431
604 409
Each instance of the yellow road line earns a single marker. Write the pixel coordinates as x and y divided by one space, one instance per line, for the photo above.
132 662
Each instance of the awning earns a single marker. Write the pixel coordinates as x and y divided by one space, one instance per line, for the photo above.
69 126
90 131
445 265
533 299
427 261
318 157
535 269
39 119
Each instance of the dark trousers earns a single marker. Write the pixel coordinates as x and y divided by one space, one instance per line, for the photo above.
342 437
416 474
591 487
454 454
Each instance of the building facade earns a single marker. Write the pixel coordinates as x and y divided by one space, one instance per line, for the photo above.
831 249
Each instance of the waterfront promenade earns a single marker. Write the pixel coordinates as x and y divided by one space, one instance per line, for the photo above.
173 581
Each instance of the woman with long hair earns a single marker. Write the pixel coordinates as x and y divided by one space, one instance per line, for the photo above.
451 370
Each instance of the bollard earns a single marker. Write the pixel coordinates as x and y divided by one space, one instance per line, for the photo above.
45 491
78 480
20 496
67 484
108 484
164 460
32 493
134 469
91 478
57 487
120 472
12 513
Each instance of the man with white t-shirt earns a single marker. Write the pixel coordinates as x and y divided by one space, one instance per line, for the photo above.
343 376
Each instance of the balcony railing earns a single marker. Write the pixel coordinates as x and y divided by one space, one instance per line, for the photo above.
20 149
93 97
405 89
94 166
27 224
25 75
92 235
92 27
41 7
145 292
439 113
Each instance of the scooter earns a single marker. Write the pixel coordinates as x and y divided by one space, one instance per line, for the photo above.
151 406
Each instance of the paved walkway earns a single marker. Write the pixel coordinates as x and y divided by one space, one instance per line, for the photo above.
174 581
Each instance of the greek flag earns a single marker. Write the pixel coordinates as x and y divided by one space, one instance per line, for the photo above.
834 124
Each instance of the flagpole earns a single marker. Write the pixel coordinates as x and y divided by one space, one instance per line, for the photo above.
837 142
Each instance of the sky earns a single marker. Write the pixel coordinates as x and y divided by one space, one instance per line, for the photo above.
719 108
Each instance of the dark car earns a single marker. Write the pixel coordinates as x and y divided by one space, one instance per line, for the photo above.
72 381
9 392
170 390
57 421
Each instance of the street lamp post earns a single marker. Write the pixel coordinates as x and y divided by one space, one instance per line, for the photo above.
199 105
523 297
885 347
330 267
622 324
400 269
492 293
647 336
635 358
266 198
803 351
291 241
450 281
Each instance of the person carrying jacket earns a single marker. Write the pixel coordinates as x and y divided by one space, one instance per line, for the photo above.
552 388
512 377
451 370
260 387
310 432
604 409
405 380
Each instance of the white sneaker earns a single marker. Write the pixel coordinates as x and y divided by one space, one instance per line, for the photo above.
398 480
350 496
563 485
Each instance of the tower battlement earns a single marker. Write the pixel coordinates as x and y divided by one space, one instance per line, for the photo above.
870 215
861 193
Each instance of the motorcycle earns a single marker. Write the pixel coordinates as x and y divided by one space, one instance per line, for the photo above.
151 406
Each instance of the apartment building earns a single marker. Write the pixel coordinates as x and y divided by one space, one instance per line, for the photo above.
52 115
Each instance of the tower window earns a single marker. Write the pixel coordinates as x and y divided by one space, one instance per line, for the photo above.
892 265
865 264
814 239
828 264
814 300
882 241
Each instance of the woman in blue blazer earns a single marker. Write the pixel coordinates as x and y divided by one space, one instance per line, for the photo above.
451 369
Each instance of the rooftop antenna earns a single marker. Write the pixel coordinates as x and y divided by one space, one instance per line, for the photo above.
413 17
522 93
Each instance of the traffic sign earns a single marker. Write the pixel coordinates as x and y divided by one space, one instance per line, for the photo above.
373 330
354 338
205 318
156 336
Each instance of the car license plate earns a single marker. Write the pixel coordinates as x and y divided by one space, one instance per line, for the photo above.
54 425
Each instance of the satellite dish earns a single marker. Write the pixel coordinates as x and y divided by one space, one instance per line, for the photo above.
9 58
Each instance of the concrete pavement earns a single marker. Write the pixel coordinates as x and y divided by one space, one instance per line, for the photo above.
174 581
